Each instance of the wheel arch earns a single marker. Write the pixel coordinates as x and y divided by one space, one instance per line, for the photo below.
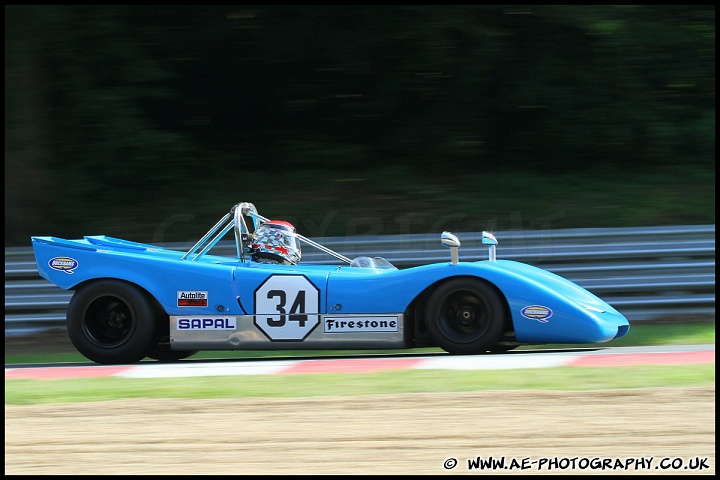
161 313
111 320
415 312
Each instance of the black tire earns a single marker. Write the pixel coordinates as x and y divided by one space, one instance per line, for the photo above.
112 322
465 316
163 352
503 348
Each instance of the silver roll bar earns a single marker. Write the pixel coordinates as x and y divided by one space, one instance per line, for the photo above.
235 220
206 236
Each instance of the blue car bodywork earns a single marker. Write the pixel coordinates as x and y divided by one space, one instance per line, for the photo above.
134 300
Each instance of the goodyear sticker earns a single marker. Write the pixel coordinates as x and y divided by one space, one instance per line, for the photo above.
537 312
63 264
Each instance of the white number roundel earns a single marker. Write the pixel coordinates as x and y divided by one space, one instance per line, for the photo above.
287 307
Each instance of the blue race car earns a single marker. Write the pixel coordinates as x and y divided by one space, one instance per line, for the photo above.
134 300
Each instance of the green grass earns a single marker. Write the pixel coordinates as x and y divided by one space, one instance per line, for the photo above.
25 392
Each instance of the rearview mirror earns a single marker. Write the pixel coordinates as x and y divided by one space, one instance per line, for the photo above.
450 240
490 240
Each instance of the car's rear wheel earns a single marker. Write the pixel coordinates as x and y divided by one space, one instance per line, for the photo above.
111 321
465 316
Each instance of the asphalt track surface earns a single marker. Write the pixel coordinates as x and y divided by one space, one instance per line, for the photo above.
590 357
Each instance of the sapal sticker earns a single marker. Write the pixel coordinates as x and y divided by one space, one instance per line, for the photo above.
206 323
537 312
63 264
192 298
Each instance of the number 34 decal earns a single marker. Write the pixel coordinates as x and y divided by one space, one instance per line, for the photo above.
287 307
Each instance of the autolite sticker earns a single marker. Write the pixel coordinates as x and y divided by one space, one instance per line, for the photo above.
537 312
63 264
192 299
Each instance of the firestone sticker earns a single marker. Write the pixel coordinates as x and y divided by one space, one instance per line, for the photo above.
537 312
361 325
63 264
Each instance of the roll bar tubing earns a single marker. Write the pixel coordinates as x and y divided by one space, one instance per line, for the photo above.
235 220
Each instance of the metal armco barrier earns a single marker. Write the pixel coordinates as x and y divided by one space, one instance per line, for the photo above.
647 273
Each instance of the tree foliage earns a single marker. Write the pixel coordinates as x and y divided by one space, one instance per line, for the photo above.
115 106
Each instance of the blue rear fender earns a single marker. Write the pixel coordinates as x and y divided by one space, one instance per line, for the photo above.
160 272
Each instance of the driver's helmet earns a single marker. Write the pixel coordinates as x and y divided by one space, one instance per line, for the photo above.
275 241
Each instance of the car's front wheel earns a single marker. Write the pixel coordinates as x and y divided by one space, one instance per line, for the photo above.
112 322
465 316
